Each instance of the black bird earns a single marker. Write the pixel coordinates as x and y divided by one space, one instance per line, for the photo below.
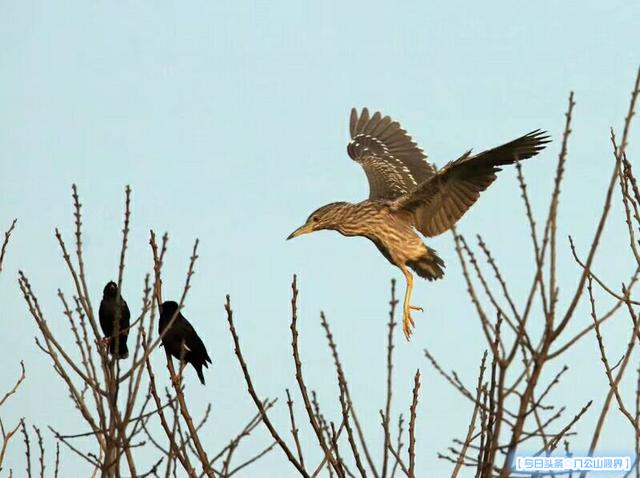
181 339
110 314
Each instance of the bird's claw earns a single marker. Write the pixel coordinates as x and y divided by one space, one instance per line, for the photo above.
407 321
406 328
407 325
104 342
176 380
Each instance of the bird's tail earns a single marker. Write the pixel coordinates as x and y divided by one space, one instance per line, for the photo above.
429 265
198 368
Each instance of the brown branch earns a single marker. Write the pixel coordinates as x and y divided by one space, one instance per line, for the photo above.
472 422
399 461
605 211
563 432
5 242
27 446
412 426
398 447
343 387
252 460
6 438
386 417
88 457
320 466
254 395
301 384
613 383
182 457
57 462
41 450
16 385
294 429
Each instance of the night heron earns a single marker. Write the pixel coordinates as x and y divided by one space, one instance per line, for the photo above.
407 194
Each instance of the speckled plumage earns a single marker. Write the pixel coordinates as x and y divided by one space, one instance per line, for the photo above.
390 230
408 195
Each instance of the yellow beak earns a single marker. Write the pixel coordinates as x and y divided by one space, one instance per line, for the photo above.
306 229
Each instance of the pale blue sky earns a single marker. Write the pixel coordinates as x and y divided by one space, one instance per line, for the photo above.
229 121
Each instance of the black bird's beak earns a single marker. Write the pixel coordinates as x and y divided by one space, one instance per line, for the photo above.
306 229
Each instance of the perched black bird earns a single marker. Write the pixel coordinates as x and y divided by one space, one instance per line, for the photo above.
181 339
109 314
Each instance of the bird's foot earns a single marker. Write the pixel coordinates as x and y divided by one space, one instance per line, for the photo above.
103 343
407 321
176 380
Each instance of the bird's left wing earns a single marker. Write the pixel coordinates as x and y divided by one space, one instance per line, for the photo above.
393 163
439 202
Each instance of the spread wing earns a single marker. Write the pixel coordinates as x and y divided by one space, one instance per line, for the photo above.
393 163
440 201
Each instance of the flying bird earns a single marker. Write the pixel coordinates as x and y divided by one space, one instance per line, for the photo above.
181 339
407 194
114 320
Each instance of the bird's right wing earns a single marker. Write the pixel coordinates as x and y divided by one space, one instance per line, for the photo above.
393 163
127 313
439 202
194 342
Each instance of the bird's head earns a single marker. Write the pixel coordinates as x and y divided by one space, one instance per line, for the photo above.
168 308
326 217
110 290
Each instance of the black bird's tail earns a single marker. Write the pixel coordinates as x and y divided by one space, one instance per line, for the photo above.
198 365
198 368
122 352
429 265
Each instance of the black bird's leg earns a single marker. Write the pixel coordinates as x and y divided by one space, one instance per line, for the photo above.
104 343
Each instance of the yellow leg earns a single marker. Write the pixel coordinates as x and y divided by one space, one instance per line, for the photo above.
407 320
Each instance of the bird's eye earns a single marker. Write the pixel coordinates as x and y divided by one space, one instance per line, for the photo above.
315 219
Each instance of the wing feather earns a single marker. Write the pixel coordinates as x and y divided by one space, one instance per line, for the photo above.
363 120
380 127
440 201
392 161
373 123
353 119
